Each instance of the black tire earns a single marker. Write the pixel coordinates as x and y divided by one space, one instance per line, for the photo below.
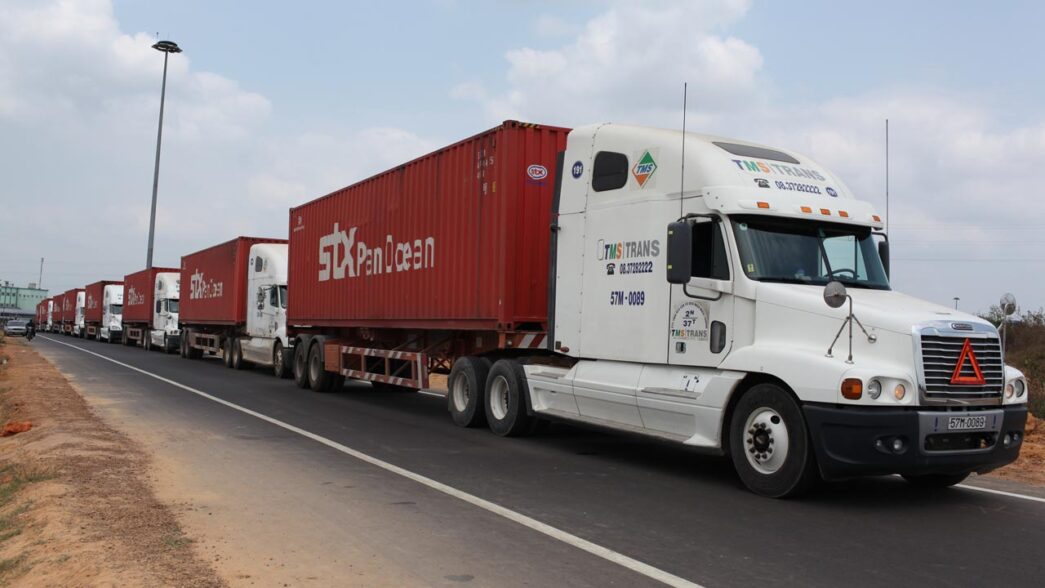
226 351
466 391
238 363
936 480
767 407
300 365
183 345
280 369
505 400
318 378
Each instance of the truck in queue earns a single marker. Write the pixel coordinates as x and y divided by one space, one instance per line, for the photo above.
103 311
725 295
43 315
150 310
72 311
233 302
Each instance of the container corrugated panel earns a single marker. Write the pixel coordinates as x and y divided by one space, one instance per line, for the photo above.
214 283
456 239
69 305
139 292
92 307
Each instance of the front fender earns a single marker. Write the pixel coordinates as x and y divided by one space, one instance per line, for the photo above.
812 376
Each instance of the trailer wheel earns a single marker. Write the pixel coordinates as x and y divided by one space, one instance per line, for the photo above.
301 365
318 378
465 391
279 362
505 403
769 443
238 363
936 480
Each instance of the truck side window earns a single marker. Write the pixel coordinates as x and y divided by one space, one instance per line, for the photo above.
274 296
159 304
610 171
709 251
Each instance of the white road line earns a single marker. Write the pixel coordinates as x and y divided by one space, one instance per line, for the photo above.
1002 492
553 532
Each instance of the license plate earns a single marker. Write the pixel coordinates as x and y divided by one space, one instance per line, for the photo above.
966 423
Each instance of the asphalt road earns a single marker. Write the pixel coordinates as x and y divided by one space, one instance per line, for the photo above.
679 512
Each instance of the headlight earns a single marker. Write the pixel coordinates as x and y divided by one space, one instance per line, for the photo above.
1020 388
1010 389
874 389
899 392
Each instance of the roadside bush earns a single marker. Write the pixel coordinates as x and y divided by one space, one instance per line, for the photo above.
1025 351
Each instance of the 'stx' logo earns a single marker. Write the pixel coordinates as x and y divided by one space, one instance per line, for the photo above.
335 254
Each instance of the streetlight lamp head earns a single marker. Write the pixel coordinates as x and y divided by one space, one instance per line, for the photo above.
167 47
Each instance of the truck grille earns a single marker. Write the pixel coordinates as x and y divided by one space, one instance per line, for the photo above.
940 356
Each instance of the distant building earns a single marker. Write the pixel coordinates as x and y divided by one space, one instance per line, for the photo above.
17 302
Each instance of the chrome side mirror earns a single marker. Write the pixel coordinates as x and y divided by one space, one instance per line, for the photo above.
835 294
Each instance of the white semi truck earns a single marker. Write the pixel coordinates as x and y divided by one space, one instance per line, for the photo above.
78 323
103 311
150 311
725 295
235 304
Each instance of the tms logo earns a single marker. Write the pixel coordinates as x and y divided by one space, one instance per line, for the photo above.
201 289
342 256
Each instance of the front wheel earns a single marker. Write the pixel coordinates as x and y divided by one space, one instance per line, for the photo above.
936 480
280 369
769 443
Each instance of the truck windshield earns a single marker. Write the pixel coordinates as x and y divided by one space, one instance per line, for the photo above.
172 305
808 252
116 308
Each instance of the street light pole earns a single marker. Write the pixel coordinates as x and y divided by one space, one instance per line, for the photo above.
167 47
956 299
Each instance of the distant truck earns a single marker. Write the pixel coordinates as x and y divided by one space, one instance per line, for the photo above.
687 287
233 301
103 311
43 315
72 311
150 309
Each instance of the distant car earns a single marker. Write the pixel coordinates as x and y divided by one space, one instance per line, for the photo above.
15 328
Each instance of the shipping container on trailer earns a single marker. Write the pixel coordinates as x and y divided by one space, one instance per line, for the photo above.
41 314
443 256
213 302
95 307
150 308
68 313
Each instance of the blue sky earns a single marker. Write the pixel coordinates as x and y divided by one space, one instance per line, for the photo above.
274 103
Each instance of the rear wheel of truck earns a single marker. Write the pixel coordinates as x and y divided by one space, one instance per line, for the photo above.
465 391
769 443
226 351
936 480
238 363
318 378
301 364
280 369
505 400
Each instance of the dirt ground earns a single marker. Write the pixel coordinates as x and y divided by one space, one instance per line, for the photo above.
75 506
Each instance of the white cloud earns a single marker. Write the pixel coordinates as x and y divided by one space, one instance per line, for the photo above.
630 62
79 100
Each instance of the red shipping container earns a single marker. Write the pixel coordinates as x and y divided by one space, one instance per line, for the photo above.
456 239
92 308
69 305
214 283
41 312
138 295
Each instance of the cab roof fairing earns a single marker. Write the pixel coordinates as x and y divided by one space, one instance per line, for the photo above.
708 165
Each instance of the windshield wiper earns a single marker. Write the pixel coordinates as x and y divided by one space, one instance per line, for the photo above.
784 280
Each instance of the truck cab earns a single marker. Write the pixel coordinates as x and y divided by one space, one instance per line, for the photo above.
265 342
165 333
78 322
111 328
735 297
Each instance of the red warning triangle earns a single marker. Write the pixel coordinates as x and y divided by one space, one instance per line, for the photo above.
976 379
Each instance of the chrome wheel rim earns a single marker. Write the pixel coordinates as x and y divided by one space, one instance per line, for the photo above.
499 397
461 394
765 440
